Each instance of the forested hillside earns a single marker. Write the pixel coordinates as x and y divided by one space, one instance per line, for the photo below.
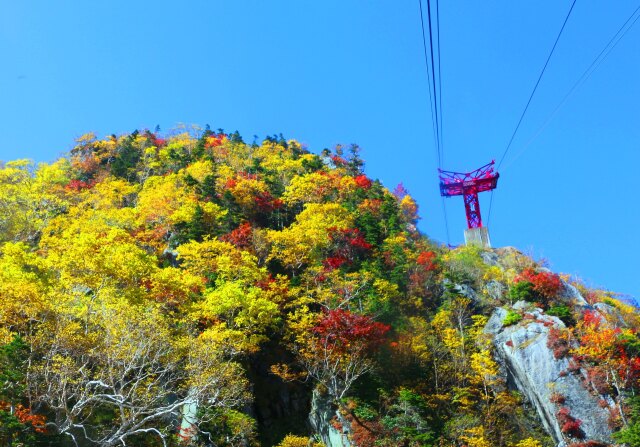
193 289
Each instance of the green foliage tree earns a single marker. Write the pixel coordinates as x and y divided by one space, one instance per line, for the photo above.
408 420
630 435
13 357
127 156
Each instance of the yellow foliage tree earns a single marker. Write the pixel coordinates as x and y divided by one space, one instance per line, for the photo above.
305 239
30 197
298 441
528 442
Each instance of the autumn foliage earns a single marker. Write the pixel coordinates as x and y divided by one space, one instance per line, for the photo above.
241 237
193 289
24 416
568 424
546 284
346 246
344 332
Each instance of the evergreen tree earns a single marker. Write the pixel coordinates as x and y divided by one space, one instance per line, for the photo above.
127 158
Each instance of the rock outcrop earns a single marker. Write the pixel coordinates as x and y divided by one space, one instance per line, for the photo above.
530 367
321 416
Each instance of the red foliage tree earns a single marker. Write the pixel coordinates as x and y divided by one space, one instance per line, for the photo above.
363 433
428 259
597 377
628 368
546 284
240 237
334 262
592 319
339 348
156 141
215 140
79 185
24 415
344 331
346 246
363 182
338 161
266 203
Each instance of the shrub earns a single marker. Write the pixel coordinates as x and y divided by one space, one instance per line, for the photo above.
630 435
428 260
558 342
464 265
522 290
630 344
546 284
573 367
614 421
569 425
365 412
592 319
557 398
511 318
563 312
598 378
591 296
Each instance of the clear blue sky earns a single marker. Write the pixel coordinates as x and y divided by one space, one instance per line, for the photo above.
343 71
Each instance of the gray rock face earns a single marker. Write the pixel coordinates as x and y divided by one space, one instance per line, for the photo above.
490 257
322 412
530 367
464 290
573 296
495 289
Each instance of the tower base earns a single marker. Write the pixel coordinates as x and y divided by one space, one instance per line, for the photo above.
477 236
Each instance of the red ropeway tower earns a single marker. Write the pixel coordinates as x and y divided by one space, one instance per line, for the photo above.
469 185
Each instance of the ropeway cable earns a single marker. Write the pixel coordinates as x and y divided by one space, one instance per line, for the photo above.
533 92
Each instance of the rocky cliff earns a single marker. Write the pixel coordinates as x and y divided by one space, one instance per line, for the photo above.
529 366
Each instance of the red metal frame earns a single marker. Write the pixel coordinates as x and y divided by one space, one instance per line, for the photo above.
469 185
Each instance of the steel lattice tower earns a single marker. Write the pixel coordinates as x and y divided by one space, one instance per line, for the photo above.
468 185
